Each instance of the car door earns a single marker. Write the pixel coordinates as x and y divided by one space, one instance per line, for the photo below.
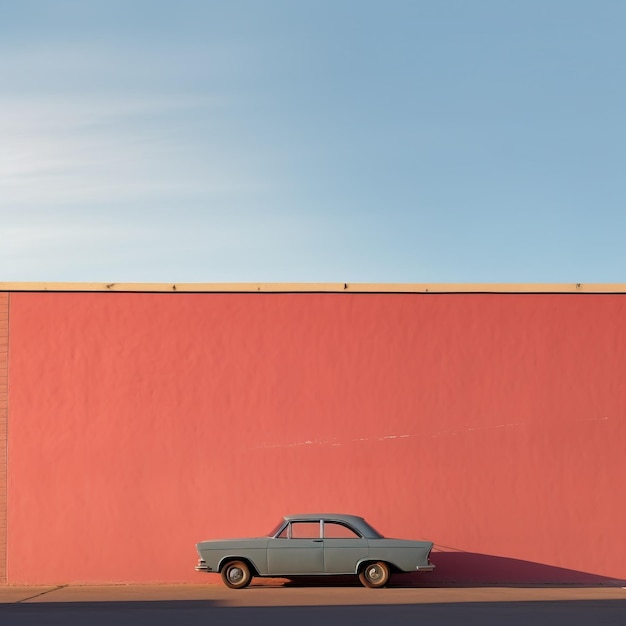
298 550
343 548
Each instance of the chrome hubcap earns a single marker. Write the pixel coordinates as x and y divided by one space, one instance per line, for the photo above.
235 574
373 573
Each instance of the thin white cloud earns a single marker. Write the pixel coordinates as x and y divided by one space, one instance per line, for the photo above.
59 151
135 160
97 188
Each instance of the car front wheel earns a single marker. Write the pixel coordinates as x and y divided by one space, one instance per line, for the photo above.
236 575
375 574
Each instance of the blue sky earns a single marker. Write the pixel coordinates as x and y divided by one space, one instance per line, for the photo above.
313 141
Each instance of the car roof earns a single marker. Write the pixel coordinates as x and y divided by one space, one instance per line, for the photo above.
341 517
357 522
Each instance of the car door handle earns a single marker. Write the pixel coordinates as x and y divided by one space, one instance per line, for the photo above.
317 540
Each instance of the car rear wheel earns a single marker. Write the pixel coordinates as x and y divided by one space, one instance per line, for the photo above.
236 575
374 574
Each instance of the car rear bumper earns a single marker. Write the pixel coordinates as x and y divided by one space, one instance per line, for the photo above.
425 568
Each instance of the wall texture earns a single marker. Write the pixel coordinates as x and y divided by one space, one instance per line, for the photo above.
141 423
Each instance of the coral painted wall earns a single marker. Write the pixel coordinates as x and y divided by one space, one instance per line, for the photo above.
141 423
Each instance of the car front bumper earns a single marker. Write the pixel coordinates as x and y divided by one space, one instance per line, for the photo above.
203 567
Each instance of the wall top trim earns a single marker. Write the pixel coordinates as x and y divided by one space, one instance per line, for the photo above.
318 287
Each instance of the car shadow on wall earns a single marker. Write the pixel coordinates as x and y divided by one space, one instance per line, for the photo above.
456 568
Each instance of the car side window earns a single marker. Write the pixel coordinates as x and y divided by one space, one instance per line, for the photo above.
305 530
333 530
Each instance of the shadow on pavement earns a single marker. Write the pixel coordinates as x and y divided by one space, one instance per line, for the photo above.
184 613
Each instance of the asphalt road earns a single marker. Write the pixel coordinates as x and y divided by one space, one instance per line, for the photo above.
311 606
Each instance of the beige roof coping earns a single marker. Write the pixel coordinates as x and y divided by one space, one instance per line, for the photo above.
316 287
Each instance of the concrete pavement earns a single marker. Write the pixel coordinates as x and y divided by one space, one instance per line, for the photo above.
277 593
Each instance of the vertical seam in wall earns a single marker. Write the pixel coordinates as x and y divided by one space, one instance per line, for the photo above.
4 418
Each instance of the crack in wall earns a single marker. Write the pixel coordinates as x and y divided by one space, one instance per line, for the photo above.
442 433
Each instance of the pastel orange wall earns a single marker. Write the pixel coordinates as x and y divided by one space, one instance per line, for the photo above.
139 424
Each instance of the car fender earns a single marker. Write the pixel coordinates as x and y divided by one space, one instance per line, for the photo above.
370 559
234 557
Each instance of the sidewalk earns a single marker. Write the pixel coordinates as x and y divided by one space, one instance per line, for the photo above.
279 595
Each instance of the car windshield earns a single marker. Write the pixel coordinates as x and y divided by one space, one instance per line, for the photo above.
276 528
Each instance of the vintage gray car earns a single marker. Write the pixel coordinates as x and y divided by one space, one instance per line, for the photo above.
314 544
